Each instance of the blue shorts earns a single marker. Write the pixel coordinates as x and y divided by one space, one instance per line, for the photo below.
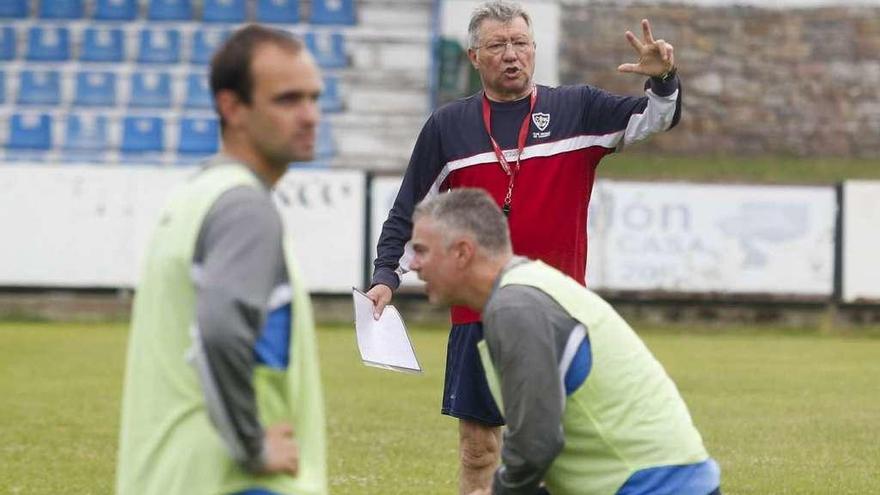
466 392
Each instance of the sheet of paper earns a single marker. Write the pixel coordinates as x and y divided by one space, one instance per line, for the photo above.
383 343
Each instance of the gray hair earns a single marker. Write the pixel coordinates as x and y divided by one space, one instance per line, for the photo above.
469 211
496 10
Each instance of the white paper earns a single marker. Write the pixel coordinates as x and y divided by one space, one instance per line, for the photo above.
383 343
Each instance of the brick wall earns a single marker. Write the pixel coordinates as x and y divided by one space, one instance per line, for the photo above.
802 82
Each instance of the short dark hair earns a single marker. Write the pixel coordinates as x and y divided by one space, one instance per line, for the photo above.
231 63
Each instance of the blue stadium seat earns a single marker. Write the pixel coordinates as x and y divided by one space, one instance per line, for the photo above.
278 11
61 9
94 88
325 147
150 90
198 136
224 11
332 12
159 46
198 92
39 87
205 42
2 86
30 132
16 9
169 10
330 100
328 49
48 44
7 43
142 135
116 10
102 45
86 133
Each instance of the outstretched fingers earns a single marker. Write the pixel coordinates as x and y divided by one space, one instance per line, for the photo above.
636 44
646 32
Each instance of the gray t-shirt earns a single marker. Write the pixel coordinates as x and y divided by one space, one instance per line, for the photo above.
526 332
238 263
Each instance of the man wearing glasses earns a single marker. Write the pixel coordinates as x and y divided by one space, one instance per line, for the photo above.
535 149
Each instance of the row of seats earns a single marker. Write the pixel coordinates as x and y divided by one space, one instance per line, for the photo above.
87 136
106 88
232 11
154 45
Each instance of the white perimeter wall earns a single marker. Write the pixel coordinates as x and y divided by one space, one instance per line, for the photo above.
861 241
87 226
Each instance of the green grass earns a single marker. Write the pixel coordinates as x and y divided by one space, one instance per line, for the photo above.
782 412
632 165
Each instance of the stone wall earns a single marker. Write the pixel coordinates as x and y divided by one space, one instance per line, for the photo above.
803 82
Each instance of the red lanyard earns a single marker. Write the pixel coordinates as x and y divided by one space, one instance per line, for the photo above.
520 144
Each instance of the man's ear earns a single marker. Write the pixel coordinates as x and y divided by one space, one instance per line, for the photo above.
230 106
464 250
472 56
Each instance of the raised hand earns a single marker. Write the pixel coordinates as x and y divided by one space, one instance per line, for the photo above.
655 56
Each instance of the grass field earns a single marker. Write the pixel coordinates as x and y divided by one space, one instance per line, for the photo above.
783 413
634 165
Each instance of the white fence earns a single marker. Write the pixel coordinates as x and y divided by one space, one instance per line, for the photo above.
861 241
712 238
86 226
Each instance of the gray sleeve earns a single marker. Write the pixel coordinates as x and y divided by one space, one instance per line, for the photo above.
238 261
521 336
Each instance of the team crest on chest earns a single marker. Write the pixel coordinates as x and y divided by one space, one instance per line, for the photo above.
541 120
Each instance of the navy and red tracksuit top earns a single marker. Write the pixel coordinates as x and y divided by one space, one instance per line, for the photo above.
571 129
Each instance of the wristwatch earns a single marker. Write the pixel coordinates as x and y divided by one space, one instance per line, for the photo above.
667 75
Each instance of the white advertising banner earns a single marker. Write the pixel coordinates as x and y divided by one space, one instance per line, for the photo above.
861 241
88 226
324 211
78 225
383 192
712 238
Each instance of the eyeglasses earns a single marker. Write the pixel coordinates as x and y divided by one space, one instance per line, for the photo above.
499 47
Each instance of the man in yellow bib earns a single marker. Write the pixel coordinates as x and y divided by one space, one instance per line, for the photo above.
222 391
589 410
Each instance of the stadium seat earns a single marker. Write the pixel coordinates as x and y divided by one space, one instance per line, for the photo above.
224 11
278 11
102 45
328 49
86 134
198 92
7 43
325 147
48 44
332 12
205 42
2 86
94 88
169 10
159 46
142 135
150 90
61 9
39 87
30 132
198 137
330 99
116 10
14 9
